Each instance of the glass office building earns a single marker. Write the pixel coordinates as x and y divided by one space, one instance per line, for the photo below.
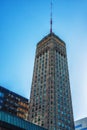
50 98
81 124
10 122
13 103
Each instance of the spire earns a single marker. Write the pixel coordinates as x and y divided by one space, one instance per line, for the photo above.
51 19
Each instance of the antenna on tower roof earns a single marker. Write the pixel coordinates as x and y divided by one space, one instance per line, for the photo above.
51 19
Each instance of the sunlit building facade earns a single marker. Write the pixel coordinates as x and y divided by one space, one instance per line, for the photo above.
50 98
13 103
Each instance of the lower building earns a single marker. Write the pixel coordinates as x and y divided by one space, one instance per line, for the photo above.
11 122
81 124
13 103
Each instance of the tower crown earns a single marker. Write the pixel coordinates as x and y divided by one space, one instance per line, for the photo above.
49 37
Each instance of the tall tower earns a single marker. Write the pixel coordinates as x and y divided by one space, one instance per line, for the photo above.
50 98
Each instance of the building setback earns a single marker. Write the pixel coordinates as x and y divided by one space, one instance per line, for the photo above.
13 103
50 98
81 124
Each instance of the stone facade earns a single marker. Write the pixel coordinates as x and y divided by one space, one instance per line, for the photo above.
50 99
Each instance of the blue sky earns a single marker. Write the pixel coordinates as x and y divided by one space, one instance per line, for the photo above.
25 22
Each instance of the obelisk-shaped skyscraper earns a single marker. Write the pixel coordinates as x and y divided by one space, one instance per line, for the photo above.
50 98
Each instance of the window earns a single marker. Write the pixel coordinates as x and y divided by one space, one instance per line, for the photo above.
1 94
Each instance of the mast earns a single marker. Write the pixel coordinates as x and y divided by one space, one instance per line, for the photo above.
51 18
